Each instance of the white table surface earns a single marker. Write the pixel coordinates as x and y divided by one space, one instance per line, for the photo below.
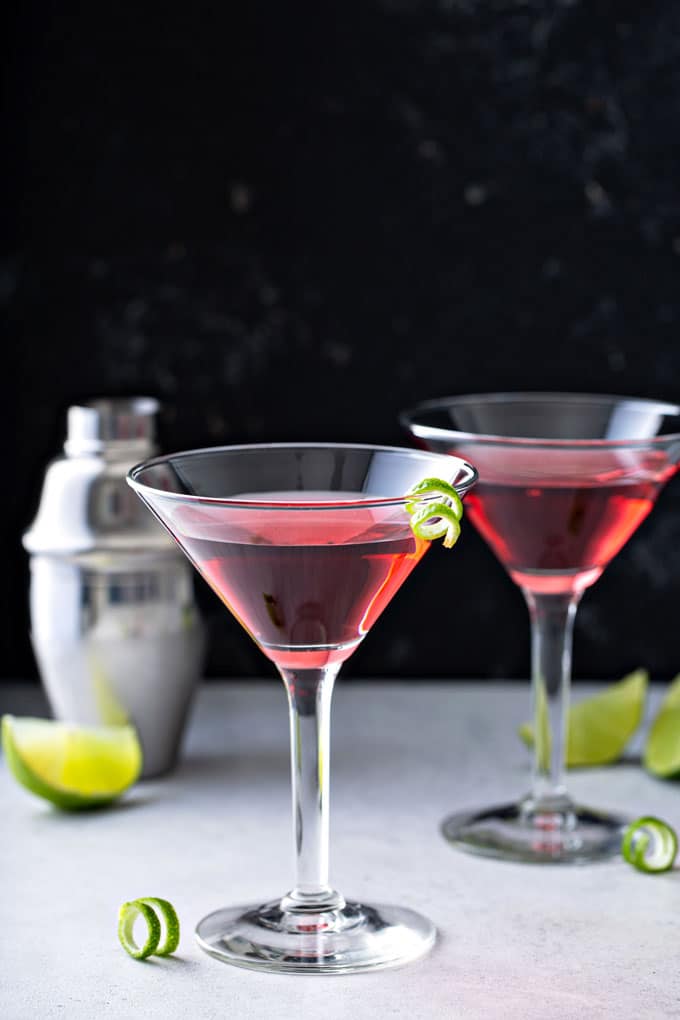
515 941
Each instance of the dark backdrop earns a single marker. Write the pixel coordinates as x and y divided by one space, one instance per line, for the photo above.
290 220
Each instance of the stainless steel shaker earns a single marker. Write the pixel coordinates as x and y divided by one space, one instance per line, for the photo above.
114 625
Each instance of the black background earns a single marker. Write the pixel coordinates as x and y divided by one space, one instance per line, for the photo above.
288 221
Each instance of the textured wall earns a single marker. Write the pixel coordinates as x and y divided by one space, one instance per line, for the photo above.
290 220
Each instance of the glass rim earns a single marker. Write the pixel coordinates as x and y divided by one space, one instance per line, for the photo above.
299 505
408 419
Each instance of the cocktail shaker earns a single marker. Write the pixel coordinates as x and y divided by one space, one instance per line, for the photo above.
114 625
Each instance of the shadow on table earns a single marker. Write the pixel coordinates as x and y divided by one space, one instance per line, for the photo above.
49 814
256 765
175 962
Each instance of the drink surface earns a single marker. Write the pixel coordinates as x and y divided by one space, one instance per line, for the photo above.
554 517
306 584
568 532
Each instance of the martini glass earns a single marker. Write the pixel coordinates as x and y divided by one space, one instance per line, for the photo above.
306 545
565 479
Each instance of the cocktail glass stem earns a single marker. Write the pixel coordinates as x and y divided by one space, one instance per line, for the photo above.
552 625
309 703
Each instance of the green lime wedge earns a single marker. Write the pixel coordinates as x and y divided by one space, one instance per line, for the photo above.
600 727
662 751
71 766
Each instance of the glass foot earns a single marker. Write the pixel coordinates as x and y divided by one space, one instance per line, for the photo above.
355 937
520 832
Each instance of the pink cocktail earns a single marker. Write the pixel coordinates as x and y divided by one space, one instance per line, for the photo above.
556 517
564 481
306 545
306 586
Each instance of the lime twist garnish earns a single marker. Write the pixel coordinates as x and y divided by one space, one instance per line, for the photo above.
650 845
154 910
435 517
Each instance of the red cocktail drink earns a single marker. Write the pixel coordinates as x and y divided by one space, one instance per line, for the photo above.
305 544
564 481
554 517
306 584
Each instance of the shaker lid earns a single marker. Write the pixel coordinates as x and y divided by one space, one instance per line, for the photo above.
97 424
85 504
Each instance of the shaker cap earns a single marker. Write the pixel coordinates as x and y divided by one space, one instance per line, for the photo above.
85 504
97 424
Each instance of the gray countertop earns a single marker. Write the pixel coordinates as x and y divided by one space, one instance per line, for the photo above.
514 940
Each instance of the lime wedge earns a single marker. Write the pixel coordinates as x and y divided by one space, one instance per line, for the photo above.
600 727
71 766
662 751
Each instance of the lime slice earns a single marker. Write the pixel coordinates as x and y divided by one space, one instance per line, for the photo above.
158 914
650 845
71 766
662 751
600 727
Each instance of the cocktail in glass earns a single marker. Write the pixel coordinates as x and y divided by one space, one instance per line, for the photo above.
306 545
564 481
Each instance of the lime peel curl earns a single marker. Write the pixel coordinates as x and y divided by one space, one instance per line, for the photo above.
153 909
435 518
650 845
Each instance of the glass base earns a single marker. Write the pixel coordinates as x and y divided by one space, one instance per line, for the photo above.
521 832
355 937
